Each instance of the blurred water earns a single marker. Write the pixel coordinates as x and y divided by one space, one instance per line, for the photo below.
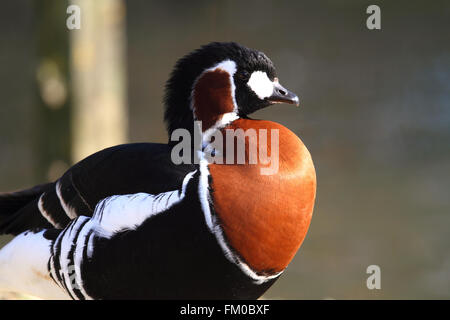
374 113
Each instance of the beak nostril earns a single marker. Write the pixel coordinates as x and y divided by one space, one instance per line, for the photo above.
282 95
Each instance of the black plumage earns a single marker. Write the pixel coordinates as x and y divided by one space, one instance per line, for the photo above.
181 259
123 169
143 167
178 113
173 254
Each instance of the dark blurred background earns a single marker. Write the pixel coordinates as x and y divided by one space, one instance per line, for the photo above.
375 114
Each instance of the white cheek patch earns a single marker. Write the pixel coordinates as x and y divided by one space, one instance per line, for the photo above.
260 83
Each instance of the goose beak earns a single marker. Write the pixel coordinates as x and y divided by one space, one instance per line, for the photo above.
282 95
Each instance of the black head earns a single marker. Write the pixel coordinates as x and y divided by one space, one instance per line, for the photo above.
255 83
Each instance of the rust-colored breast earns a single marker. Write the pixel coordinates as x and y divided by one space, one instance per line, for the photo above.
266 217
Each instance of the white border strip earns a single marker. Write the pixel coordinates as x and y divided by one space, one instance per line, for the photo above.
214 227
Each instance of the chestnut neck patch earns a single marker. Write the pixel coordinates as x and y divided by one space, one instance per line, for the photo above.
212 97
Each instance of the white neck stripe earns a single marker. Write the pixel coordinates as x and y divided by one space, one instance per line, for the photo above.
215 228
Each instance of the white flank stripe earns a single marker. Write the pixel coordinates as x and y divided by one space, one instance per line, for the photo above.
69 211
90 248
45 214
78 255
68 271
123 212
111 215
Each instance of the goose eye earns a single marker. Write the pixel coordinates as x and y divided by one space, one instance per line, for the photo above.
244 75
